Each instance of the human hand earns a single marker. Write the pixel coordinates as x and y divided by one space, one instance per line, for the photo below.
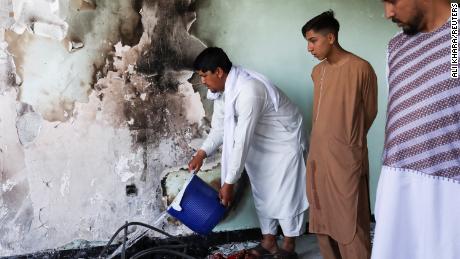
197 161
226 194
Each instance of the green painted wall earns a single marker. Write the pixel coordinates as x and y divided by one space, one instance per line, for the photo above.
264 35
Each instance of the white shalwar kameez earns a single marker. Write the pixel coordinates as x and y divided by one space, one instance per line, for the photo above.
269 143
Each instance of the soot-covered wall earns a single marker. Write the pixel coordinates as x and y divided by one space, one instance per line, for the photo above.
96 102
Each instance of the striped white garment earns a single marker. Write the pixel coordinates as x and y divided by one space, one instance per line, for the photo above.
417 208
423 116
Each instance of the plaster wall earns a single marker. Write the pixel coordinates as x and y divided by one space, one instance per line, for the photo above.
95 103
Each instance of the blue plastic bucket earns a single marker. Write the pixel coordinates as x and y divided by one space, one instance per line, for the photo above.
197 206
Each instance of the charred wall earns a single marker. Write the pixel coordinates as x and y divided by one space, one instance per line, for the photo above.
95 103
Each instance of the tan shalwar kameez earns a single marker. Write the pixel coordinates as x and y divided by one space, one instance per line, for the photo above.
345 105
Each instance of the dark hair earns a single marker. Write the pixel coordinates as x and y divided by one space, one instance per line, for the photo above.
210 59
324 22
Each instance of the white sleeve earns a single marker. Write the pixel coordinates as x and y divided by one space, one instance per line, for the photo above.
248 108
216 135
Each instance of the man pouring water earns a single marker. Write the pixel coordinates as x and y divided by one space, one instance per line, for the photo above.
259 129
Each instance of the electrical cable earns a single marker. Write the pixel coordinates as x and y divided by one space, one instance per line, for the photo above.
126 225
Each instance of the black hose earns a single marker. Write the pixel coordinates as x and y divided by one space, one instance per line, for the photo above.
139 224
159 250
123 249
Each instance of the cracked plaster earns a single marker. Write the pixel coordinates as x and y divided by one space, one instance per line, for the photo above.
95 96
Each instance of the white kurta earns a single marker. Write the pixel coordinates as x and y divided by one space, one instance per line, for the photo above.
270 144
424 204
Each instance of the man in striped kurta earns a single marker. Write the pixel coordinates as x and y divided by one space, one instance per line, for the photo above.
418 197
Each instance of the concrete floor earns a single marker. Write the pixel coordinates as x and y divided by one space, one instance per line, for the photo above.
307 247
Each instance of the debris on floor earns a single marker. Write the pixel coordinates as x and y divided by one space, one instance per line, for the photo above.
232 250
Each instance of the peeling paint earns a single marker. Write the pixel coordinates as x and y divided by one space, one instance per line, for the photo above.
40 17
38 54
28 126
127 166
173 180
8 185
92 124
